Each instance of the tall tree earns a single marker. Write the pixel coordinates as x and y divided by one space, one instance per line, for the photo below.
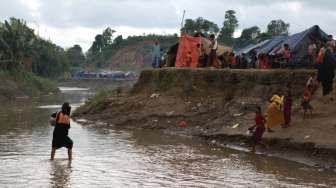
229 26
16 42
200 24
249 34
75 56
278 27
107 36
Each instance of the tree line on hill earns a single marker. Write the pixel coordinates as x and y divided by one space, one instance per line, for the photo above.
19 43
19 46
225 34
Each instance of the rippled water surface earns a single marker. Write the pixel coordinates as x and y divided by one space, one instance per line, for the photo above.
108 157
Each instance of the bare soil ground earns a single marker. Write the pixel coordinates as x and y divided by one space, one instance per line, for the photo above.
199 106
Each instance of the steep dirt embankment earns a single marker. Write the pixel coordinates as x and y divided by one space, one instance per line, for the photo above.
208 103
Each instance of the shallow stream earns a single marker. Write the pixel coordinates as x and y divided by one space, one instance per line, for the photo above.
110 157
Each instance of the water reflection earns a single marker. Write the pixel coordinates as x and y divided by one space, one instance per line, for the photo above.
60 172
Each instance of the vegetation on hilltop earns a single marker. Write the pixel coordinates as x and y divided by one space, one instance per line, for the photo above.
225 34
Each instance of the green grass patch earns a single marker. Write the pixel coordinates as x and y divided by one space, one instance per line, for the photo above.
18 83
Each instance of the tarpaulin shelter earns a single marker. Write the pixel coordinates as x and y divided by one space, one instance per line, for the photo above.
189 44
298 43
249 48
221 49
271 44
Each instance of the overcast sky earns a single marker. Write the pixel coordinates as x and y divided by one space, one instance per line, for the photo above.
69 22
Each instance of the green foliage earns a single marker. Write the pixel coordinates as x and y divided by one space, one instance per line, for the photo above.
251 33
50 60
96 104
278 27
75 57
200 24
229 26
18 83
18 41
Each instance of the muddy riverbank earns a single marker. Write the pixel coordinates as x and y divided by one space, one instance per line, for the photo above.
218 105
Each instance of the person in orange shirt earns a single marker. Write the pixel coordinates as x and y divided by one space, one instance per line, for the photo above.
320 56
60 134
307 96
287 55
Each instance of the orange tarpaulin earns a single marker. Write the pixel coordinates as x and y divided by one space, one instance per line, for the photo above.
188 44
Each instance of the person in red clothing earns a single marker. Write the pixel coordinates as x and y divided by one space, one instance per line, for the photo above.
258 129
287 108
233 63
307 97
286 55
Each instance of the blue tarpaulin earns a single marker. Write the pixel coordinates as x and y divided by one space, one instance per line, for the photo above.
298 43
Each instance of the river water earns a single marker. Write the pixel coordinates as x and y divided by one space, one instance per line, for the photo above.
110 157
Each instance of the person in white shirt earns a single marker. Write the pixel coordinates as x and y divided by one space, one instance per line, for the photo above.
213 52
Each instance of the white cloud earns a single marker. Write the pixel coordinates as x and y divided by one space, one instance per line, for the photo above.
68 22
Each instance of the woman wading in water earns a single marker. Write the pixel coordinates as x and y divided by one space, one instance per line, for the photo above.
60 135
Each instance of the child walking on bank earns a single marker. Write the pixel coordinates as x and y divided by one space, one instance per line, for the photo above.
258 129
307 97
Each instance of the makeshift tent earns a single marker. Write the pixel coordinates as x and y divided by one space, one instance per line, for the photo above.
221 50
249 48
189 44
271 44
298 43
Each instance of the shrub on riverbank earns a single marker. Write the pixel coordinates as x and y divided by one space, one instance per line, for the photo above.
20 83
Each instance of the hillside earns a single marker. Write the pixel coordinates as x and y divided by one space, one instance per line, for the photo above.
137 55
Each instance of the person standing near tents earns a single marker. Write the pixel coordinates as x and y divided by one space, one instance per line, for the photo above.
331 44
286 56
202 55
156 55
312 51
326 72
213 51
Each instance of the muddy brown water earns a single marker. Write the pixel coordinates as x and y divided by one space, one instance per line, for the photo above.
110 157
